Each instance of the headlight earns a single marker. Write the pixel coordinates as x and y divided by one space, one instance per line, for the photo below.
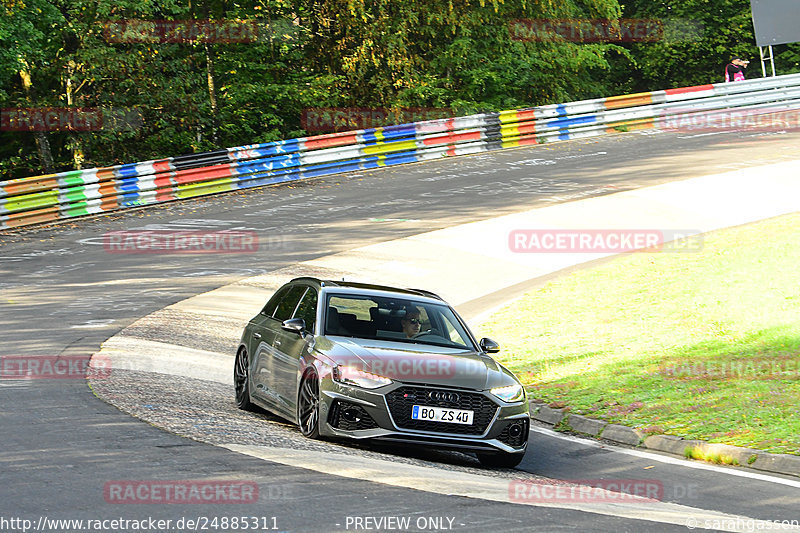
352 376
510 393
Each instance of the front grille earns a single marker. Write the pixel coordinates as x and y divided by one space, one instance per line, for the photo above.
401 400
517 441
363 419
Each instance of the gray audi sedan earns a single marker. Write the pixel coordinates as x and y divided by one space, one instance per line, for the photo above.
343 359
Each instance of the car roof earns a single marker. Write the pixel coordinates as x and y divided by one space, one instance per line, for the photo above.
354 287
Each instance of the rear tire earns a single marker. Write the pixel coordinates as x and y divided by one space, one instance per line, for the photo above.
308 405
500 460
241 381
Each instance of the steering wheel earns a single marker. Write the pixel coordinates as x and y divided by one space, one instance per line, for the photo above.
432 332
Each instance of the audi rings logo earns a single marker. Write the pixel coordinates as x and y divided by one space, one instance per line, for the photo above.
440 396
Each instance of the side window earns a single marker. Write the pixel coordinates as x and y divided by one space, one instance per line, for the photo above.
307 310
452 333
359 307
289 303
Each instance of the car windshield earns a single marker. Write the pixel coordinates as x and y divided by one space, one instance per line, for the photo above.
394 319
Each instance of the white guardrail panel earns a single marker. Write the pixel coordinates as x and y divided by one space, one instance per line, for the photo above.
68 194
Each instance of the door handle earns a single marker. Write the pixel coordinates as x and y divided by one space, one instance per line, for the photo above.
257 335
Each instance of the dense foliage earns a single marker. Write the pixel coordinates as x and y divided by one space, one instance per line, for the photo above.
163 98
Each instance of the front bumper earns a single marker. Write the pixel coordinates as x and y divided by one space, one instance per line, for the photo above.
385 415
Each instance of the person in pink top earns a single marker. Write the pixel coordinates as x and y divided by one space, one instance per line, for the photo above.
734 71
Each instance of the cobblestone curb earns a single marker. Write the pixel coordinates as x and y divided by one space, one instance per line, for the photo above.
623 435
585 425
562 420
545 414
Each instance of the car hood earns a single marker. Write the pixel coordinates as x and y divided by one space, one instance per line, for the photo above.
419 363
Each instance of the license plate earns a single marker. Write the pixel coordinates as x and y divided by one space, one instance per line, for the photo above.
439 414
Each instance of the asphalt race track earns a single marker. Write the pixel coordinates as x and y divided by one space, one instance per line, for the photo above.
63 294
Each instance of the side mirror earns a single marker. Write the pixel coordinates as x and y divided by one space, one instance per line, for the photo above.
294 325
489 346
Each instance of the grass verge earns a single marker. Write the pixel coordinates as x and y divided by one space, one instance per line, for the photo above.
701 345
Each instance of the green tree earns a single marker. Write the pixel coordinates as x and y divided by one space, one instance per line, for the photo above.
456 53
704 36
29 57
196 96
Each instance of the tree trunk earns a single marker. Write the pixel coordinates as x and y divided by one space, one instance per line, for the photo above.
74 140
212 90
42 142
212 94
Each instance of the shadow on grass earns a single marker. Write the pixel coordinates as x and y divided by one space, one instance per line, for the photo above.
741 391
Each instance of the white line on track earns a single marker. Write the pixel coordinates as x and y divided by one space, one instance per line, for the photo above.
669 460
705 134
486 487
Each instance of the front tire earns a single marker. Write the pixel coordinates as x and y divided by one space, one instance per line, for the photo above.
241 381
308 405
500 460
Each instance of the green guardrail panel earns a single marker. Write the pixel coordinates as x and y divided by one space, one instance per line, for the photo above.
27 202
205 187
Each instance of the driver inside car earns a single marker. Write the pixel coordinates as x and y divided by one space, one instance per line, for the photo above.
411 322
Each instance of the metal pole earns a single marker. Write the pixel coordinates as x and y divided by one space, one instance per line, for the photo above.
763 68
772 60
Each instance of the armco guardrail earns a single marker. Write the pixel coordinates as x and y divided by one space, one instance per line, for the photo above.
82 192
